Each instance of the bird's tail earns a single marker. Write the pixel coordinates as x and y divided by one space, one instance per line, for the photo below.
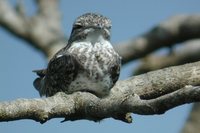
39 82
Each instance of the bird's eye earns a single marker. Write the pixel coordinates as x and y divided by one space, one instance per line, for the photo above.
109 27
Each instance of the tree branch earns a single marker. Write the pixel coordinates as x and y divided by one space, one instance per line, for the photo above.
147 94
42 31
189 52
175 30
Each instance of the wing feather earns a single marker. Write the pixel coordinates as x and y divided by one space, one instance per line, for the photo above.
61 71
115 67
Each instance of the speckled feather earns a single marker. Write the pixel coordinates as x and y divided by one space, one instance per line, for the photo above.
88 62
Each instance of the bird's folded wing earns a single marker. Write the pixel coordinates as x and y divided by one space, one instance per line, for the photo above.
61 71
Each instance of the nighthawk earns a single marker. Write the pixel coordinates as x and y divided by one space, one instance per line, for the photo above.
87 63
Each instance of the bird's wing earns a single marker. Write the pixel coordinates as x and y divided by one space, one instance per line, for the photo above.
61 71
115 67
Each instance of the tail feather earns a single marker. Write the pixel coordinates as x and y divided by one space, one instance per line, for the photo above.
39 85
39 82
40 73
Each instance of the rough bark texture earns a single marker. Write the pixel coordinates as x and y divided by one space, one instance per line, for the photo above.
153 93
147 94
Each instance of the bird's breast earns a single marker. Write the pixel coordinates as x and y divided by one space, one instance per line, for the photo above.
94 59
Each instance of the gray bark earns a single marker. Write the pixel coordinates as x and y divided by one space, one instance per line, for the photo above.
147 94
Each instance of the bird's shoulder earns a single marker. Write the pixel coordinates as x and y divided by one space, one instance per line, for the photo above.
115 67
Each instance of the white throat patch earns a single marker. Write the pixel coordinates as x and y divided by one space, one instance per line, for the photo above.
94 36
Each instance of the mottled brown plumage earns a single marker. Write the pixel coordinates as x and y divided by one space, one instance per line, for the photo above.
88 62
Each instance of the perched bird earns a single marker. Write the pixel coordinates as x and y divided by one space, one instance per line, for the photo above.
87 63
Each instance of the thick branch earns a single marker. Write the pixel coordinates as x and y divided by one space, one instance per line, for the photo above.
147 94
190 52
175 30
42 31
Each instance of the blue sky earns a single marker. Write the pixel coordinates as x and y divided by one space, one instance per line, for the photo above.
130 18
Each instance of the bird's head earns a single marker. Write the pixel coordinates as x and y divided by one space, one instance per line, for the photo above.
90 24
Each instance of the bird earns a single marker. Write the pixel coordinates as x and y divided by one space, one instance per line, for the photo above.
88 63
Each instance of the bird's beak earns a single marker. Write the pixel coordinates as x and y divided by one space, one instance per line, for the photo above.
100 27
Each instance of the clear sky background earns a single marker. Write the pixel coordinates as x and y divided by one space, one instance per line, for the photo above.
130 18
